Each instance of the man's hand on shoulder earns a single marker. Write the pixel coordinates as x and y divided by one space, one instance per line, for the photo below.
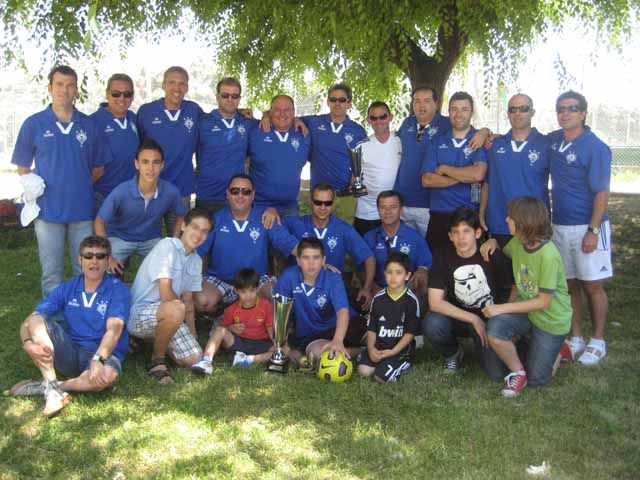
270 217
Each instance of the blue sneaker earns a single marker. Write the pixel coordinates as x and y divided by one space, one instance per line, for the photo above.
242 359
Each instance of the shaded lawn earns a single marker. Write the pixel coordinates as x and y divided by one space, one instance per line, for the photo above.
243 423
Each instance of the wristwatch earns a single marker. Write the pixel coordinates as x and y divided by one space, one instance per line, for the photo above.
594 230
98 358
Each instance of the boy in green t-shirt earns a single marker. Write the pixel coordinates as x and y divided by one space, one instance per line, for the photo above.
542 309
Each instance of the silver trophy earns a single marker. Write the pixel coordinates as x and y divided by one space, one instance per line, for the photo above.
279 363
358 188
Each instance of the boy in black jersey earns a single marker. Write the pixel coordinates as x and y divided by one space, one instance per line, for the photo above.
394 320
461 284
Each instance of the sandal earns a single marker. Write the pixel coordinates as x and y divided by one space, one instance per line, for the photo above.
592 356
162 376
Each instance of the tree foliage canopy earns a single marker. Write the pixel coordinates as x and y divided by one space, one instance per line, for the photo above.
372 44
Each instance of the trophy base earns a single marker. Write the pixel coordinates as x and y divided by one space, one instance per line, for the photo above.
360 192
279 368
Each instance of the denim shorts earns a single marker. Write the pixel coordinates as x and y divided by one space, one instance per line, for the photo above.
71 359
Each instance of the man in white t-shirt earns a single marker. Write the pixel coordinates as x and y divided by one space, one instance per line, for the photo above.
380 160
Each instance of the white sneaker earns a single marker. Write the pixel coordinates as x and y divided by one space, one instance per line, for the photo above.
55 398
241 359
203 367
592 355
576 346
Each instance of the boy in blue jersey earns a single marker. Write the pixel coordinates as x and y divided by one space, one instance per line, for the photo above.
416 133
337 236
172 121
223 142
581 171
132 213
118 125
238 240
91 342
393 235
320 306
453 170
67 150
518 166
277 158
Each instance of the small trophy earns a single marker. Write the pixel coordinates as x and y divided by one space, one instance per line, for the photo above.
279 363
359 189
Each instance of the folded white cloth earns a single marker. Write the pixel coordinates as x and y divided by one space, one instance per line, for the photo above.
33 186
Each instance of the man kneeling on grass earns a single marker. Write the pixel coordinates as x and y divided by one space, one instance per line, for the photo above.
90 343
247 328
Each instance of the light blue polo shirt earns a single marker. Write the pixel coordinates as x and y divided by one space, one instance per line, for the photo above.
409 177
130 217
121 137
314 306
406 240
330 149
338 238
177 133
65 155
234 244
446 150
579 170
277 159
222 150
516 169
86 314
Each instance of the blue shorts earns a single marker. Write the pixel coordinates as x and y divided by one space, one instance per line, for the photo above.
249 346
71 359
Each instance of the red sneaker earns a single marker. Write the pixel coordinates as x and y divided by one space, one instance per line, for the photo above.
566 354
514 383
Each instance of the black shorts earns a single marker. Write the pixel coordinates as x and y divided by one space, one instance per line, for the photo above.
388 369
249 346
354 337
438 231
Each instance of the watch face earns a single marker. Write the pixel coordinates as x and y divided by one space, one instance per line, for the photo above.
595 231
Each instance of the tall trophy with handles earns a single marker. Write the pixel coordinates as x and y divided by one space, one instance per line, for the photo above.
358 188
279 363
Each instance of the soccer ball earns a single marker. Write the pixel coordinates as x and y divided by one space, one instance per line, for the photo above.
336 369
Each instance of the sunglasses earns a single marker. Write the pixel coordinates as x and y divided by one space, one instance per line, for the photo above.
118 93
326 203
237 191
568 108
521 109
373 118
226 95
338 99
90 255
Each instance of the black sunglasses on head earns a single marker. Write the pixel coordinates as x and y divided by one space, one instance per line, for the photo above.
118 93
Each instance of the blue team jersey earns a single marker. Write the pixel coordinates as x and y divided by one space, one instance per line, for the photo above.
129 217
516 169
235 244
177 134
65 155
446 150
314 306
277 159
330 149
406 240
338 238
409 181
222 150
86 314
579 170
121 143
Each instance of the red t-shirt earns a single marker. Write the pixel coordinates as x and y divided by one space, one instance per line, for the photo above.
255 320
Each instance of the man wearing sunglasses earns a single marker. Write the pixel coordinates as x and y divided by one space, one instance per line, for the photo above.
223 141
118 125
581 172
518 166
277 158
416 133
132 213
239 240
69 155
337 236
90 343
380 160
172 121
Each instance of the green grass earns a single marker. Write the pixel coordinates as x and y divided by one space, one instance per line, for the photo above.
245 424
